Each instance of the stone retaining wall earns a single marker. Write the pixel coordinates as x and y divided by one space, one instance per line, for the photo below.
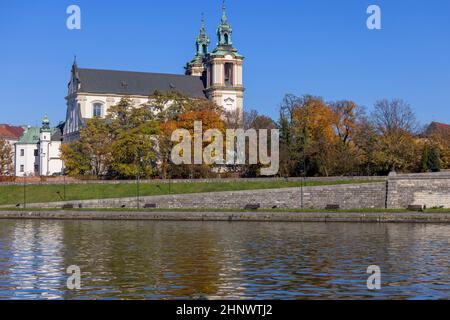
428 189
407 217
398 192
370 195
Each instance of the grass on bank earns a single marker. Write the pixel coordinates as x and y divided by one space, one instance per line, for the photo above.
12 195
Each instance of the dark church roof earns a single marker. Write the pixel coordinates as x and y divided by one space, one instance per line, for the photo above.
138 83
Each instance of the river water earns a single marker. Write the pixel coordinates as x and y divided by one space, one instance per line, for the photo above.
217 260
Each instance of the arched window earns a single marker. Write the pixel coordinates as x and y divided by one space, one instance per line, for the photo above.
205 49
226 38
98 110
229 74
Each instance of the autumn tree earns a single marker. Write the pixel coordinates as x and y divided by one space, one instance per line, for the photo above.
393 116
366 139
397 126
134 131
337 138
6 158
314 137
91 154
348 157
256 121
171 105
209 120
286 163
234 119
176 111
438 135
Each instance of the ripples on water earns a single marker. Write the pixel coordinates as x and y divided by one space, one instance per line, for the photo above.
176 260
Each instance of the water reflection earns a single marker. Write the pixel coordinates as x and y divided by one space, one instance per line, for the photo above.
174 260
31 260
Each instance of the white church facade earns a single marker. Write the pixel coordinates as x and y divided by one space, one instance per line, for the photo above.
216 75
37 152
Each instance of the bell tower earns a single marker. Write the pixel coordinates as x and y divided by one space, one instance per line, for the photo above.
196 66
44 143
224 81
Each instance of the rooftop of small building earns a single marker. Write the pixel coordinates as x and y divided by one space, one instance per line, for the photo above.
10 132
440 124
32 135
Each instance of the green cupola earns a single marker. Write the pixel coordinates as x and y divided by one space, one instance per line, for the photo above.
202 41
45 124
224 31
196 67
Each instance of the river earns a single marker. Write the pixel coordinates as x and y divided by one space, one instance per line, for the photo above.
219 260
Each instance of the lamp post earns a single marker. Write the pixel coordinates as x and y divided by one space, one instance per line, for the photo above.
25 182
305 172
138 178
64 180
169 174
138 196
24 191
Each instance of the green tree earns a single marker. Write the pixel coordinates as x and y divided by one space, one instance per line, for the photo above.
366 139
434 160
134 132
92 153
425 158
76 159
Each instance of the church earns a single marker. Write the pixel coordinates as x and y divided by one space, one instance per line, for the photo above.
216 75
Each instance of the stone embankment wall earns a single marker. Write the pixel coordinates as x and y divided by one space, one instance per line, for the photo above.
260 216
397 192
428 189
370 195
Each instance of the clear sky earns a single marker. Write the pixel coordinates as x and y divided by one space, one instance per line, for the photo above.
320 47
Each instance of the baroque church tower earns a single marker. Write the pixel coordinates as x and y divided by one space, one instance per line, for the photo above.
196 67
215 75
221 69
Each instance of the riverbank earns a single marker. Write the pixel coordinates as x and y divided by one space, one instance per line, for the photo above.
129 191
365 217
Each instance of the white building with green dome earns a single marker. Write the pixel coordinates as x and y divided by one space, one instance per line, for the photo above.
37 153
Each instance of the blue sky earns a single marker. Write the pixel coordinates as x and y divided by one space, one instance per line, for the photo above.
319 47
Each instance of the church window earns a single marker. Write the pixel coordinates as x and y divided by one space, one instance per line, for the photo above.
211 76
205 49
226 38
228 74
98 110
76 121
22 152
22 168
